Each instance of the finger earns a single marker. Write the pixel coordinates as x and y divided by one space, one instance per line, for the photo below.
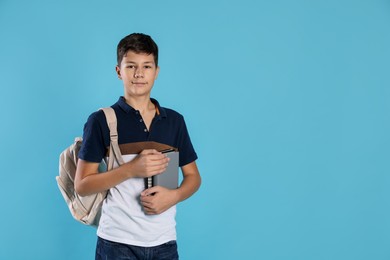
150 191
151 161
148 209
150 212
150 151
146 204
155 169
157 162
157 157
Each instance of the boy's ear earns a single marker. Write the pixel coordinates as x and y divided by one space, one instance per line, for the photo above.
157 71
118 71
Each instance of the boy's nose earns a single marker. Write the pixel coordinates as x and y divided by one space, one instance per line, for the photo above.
138 73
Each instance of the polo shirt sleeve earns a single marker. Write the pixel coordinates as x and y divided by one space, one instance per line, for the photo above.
187 152
93 148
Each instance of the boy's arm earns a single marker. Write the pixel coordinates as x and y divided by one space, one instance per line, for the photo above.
146 164
164 198
191 181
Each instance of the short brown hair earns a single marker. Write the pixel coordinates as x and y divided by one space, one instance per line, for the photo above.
138 43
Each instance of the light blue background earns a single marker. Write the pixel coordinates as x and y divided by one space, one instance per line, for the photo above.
287 103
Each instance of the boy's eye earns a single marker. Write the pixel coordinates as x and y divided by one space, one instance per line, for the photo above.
147 67
130 66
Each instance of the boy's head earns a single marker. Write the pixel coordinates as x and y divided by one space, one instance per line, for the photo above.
138 43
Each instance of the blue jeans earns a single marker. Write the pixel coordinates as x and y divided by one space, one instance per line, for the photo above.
107 250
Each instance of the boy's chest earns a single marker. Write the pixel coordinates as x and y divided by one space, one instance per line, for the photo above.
147 128
147 119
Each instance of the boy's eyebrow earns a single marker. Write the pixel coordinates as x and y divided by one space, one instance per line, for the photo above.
135 62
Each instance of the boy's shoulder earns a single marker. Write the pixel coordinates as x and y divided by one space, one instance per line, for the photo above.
172 116
96 120
97 116
171 112
166 111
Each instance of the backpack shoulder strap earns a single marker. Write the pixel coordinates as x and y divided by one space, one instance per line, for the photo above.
114 153
109 112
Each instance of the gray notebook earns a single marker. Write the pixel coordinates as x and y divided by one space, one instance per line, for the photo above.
170 177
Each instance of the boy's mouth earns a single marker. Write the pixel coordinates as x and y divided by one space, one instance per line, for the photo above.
138 83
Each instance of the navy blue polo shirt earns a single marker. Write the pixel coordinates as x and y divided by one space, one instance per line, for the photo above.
168 127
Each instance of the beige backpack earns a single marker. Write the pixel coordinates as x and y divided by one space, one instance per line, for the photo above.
87 209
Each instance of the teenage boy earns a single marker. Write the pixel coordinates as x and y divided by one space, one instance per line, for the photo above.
137 223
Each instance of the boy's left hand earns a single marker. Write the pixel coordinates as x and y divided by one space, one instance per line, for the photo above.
158 199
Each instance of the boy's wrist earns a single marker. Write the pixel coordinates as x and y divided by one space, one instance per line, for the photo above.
126 170
177 195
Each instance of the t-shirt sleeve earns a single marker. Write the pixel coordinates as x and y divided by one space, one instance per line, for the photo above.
93 148
187 152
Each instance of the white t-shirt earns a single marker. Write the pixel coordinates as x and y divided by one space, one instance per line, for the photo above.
124 221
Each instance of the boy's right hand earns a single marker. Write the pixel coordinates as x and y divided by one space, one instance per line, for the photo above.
148 163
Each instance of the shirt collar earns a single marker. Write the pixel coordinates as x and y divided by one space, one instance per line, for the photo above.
127 108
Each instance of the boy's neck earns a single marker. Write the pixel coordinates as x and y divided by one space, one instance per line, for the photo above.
141 104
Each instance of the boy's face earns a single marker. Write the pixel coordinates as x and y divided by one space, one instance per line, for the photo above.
138 72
